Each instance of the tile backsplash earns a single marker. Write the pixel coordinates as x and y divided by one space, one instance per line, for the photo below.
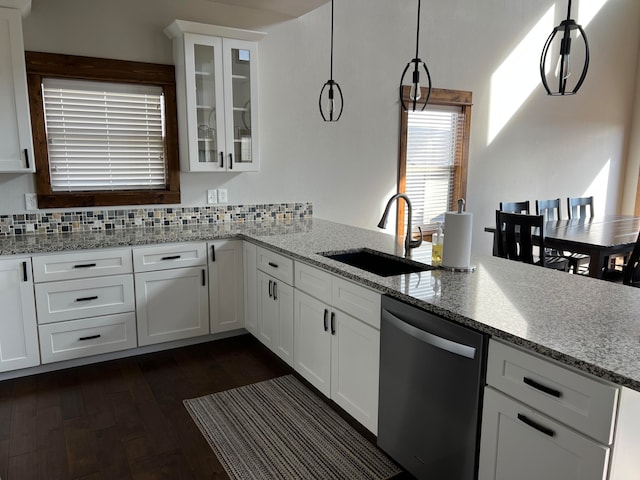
109 219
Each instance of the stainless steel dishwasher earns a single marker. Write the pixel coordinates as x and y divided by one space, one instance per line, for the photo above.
431 376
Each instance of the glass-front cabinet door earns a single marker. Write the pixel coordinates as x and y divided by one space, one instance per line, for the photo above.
205 103
240 67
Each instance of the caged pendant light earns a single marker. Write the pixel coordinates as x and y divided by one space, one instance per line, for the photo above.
415 94
330 113
563 71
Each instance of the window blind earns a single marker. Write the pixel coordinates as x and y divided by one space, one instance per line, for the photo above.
434 137
104 136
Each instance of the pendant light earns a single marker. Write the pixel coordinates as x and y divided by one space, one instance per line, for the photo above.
415 95
564 68
330 113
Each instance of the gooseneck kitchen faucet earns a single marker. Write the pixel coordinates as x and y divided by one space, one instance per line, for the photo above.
408 243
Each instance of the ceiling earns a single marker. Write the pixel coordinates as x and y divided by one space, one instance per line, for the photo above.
290 8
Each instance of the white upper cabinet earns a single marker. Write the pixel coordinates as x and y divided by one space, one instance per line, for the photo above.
216 80
16 145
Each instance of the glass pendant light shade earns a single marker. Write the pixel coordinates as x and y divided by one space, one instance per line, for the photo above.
331 101
562 75
417 99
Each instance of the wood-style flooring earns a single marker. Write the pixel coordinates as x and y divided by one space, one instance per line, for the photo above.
124 419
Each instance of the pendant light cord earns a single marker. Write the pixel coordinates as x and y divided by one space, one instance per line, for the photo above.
569 10
417 31
331 68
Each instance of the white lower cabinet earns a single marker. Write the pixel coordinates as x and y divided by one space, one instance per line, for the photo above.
275 316
249 259
520 443
226 285
336 352
18 328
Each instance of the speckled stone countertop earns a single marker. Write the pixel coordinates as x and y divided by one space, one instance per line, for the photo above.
589 324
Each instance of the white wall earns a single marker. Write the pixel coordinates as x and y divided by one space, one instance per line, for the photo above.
550 147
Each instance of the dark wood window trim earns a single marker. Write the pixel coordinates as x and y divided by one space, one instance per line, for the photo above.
48 65
439 96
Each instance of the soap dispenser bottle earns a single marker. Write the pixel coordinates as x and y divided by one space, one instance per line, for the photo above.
436 248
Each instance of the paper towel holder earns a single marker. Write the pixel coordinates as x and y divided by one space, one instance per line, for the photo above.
471 268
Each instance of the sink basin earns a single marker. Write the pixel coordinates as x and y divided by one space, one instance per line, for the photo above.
379 263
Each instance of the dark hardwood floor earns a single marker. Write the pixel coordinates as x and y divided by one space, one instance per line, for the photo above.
124 419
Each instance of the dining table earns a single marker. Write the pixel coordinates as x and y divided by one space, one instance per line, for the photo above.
600 237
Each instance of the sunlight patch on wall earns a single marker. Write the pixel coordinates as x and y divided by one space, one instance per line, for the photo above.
518 76
587 10
598 188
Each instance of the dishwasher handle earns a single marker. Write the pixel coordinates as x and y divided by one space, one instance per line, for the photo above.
429 338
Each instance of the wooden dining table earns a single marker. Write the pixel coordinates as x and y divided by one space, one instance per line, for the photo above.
598 237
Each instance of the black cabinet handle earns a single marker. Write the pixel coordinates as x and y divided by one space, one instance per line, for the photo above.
333 323
171 257
535 425
275 290
274 265
90 337
26 157
84 265
24 271
270 287
326 314
221 160
204 278
213 253
538 386
86 299
231 161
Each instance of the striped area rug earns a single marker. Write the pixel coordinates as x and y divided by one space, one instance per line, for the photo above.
279 429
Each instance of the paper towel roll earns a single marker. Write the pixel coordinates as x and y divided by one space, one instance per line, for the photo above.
456 250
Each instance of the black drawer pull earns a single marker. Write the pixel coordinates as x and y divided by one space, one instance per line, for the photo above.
326 314
333 323
171 257
270 288
24 271
274 265
204 278
91 337
213 253
537 426
549 391
86 299
26 157
221 160
231 161
275 290
85 265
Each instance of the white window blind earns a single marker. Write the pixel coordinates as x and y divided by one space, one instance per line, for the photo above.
433 139
104 136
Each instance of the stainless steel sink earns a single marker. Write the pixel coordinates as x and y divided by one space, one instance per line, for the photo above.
379 263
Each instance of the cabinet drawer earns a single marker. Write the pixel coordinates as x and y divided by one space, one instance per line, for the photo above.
276 265
89 336
70 266
164 257
583 403
314 281
357 301
58 301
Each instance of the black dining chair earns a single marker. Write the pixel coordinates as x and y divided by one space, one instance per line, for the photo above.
516 233
515 207
578 206
630 274
550 210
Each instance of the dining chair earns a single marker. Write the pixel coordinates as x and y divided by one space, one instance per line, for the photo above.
550 210
578 206
515 207
515 233
630 274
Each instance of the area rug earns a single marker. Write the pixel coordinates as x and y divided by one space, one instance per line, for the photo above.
279 429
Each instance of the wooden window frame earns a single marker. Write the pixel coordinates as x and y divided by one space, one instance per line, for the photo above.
439 96
49 65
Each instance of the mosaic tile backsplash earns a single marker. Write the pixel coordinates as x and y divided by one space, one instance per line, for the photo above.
110 219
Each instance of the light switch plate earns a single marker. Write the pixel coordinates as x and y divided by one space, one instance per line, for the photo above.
31 201
222 195
212 196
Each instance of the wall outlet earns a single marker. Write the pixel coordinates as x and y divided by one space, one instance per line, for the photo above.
212 196
31 201
222 195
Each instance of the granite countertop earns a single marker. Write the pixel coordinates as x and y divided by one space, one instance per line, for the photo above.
589 324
